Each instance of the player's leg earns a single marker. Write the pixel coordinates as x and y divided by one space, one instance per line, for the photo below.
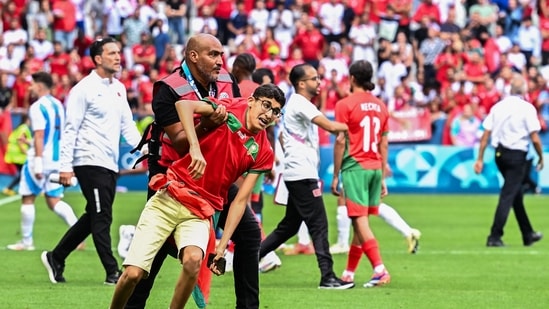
393 218
343 227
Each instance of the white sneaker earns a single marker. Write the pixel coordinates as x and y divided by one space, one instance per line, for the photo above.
269 262
126 235
20 246
339 248
229 256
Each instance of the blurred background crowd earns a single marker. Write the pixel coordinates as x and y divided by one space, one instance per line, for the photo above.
446 60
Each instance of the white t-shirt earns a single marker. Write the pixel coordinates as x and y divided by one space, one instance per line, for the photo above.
300 139
511 121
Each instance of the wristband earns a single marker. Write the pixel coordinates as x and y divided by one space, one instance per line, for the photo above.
38 167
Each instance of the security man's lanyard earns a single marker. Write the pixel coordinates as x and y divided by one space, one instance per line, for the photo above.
192 83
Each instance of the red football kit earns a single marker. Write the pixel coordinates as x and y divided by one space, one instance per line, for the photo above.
368 120
230 151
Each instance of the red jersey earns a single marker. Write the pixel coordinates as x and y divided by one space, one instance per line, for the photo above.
368 120
237 151
247 87
311 44
145 88
59 64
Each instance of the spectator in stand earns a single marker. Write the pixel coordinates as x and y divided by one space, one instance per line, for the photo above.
464 128
449 28
62 88
251 41
258 18
334 61
20 98
333 89
42 46
176 12
115 11
10 65
206 23
59 61
427 9
133 28
144 52
487 12
6 93
488 97
513 18
64 23
388 24
363 35
517 59
405 50
503 81
311 42
273 63
503 42
330 17
444 62
429 49
529 41
82 43
475 70
237 22
35 64
282 21
18 37
391 72
222 14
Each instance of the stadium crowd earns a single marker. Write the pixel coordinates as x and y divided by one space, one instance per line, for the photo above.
454 58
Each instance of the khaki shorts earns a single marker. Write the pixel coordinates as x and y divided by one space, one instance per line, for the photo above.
161 217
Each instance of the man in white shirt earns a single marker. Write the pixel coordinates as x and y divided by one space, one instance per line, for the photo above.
301 161
510 125
98 115
43 48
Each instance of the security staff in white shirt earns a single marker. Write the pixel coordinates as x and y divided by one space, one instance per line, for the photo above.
301 161
510 125
98 115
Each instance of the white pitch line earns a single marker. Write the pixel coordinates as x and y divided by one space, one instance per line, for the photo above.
9 199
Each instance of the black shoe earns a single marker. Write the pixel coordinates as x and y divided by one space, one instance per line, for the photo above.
335 284
55 270
112 279
532 238
494 243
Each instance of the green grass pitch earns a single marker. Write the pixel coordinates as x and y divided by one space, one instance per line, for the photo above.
453 268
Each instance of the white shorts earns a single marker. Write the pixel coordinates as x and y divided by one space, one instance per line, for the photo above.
161 217
29 185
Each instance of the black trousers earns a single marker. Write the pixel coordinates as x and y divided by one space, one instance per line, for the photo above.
512 166
304 204
98 185
246 237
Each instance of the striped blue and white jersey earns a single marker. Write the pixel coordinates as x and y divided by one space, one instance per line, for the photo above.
47 114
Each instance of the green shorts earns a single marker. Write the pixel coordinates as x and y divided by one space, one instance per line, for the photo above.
362 191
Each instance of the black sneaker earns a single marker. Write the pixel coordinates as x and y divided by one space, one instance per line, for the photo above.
532 238
491 242
55 270
335 284
112 279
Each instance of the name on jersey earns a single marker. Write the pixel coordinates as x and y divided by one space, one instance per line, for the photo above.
370 107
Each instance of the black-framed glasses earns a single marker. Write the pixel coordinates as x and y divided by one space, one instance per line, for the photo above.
267 107
316 78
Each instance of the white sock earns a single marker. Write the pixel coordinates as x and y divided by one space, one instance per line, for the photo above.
379 268
391 216
303 237
65 212
343 225
28 213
